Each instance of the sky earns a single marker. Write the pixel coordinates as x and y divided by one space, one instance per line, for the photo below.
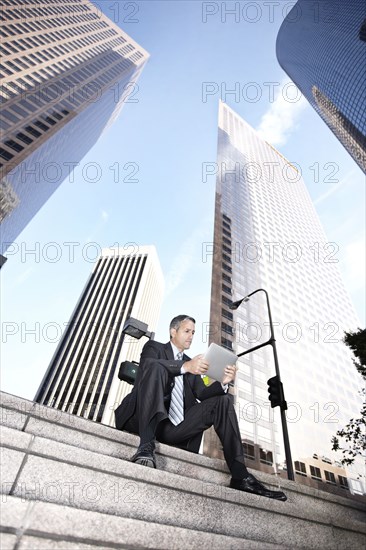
199 54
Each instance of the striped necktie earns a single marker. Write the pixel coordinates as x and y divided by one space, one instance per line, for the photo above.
176 409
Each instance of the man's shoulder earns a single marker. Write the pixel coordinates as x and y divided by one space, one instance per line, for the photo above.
157 346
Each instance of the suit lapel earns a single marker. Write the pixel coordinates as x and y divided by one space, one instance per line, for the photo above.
168 350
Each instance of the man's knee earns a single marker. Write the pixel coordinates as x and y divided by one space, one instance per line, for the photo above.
153 370
218 404
226 405
226 400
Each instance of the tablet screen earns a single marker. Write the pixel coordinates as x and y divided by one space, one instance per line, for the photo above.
218 358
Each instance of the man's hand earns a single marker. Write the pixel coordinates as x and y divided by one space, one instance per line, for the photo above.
197 365
230 373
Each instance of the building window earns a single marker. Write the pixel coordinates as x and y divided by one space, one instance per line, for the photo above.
24 138
227 328
226 278
56 115
227 268
14 145
343 482
33 131
50 120
227 343
330 477
41 125
5 154
248 450
226 301
227 314
300 468
226 289
10 116
315 473
265 457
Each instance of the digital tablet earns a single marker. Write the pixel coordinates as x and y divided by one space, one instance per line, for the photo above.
218 358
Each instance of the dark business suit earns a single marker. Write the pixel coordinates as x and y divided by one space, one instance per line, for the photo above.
148 404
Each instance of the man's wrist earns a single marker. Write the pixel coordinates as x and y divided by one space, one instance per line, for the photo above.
182 369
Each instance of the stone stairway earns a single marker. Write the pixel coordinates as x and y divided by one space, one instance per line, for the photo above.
67 483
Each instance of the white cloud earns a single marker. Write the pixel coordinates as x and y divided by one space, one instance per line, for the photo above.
347 179
281 118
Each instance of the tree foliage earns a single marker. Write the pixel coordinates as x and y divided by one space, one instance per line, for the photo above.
353 434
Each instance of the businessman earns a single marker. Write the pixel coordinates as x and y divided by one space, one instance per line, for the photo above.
170 403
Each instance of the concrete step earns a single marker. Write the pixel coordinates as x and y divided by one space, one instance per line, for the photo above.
30 525
57 459
54 424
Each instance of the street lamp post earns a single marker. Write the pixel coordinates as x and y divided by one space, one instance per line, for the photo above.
137 329
283 404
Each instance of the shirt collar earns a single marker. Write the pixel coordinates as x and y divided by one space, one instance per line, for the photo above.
175 350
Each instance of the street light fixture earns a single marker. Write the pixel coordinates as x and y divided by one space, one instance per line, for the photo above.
275 382
135 328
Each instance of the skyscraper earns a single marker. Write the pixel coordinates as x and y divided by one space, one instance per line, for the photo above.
82 376
268 235
66 71
321 46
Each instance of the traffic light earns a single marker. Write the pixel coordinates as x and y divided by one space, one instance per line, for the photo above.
128 371
276 395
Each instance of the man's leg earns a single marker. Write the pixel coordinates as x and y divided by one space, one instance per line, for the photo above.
218 412
150 411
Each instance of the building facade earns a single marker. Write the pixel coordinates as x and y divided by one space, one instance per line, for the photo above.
322 47
267 235
322 473
82 377
66 72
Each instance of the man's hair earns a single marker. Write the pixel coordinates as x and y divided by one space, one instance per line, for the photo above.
178 320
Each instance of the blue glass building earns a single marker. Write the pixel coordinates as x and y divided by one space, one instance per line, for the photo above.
322 47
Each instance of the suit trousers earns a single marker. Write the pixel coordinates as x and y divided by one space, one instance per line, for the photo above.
217 411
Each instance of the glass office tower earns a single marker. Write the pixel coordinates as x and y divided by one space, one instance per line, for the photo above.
267 235
321 46
66 72
82 377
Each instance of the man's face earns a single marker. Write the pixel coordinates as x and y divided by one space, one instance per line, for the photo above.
183 336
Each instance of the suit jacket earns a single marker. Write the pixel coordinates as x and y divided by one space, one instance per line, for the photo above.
194 388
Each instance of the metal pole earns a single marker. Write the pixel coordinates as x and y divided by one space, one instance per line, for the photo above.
272 342
286 441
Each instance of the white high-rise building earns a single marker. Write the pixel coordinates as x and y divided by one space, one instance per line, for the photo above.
66 72
82 377
268 235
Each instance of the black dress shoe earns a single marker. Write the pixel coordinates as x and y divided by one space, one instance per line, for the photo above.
251 485
145 455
